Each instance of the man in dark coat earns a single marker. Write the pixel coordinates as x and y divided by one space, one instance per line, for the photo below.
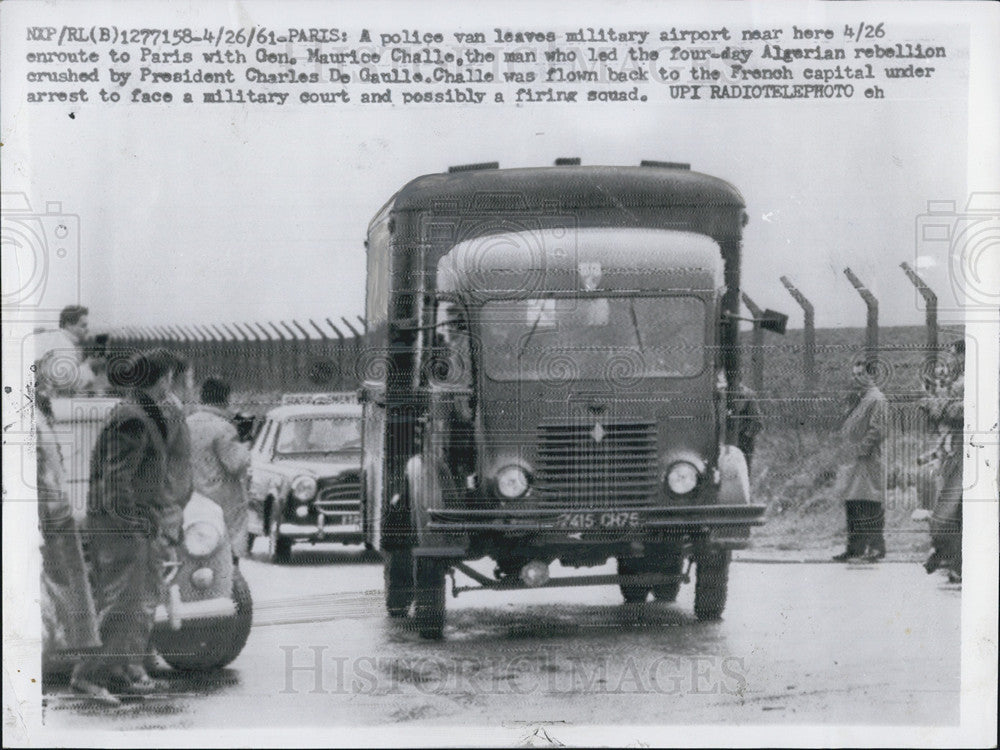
178 481
126 505
862 485
744 421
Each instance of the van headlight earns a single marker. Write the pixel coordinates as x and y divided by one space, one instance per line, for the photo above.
201 539
512 482
304 487
682 477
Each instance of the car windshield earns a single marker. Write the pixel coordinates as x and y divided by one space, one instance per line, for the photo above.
616 339
320 435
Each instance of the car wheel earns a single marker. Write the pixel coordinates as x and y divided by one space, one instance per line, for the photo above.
672 565
629 566
398 574
711 583
279 549
209 646
430 597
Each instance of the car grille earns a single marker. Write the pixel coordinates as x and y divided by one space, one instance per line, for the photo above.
575 469
339 496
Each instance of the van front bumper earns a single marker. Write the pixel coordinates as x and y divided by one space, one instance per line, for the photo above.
724 520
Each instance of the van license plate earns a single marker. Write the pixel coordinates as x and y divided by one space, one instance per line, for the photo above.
346 519
606 520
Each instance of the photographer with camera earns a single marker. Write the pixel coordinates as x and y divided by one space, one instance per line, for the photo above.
220 460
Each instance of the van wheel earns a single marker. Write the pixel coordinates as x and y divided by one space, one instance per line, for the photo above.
398 575
711 583
430 597
672 565
629 566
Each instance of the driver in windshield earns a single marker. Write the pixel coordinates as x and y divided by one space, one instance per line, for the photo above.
299 437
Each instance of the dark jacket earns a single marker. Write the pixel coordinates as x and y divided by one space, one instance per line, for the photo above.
128 468
744 420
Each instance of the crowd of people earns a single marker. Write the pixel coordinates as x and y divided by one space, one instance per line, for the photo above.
101 583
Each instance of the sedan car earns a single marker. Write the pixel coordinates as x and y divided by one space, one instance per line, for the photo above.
305 477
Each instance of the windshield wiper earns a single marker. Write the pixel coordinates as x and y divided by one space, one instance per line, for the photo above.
635 322
534 327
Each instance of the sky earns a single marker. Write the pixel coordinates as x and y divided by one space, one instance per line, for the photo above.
207 215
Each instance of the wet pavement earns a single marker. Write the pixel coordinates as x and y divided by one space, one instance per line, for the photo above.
799 643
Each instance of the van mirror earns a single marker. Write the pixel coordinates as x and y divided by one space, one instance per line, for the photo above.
773 321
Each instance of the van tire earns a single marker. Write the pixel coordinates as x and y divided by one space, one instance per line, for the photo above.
430 597
628 566
671 565
711 583
398 576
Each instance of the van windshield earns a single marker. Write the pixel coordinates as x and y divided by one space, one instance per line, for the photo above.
615 339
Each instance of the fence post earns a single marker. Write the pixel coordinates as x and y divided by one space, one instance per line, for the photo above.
931 314
757 350
300 346
809 336
238 356
324 354
340 354
871 337
352 329
207 350
248 346
272 366
282 361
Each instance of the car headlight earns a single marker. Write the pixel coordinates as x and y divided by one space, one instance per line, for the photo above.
304 487
201 539
512 482
682 477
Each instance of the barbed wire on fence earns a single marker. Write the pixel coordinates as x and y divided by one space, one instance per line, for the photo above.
260 356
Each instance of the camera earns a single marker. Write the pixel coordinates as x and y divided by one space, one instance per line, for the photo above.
970 240
41 255
247 426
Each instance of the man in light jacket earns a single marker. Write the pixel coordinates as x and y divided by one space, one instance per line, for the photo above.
863 482
220 461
